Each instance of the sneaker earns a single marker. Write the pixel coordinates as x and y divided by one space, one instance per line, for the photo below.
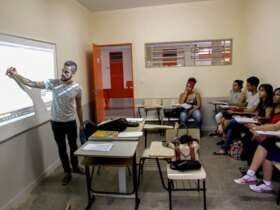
246 179
78 170
66 179
261 188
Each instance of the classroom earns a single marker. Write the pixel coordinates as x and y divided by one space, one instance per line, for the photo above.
130 82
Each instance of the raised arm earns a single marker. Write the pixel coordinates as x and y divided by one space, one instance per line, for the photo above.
12 72
182 97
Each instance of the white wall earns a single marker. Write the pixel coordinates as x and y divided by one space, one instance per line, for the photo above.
215 19
25 157
262 33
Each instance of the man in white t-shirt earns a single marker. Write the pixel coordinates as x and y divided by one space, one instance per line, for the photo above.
66 93
252 96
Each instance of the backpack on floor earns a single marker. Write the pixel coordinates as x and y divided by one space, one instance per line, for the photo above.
235 150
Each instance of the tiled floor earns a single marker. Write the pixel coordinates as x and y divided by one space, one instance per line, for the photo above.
222 193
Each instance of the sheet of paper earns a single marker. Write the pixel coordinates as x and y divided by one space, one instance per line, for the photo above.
98 147
224 106
186 106
268 133
244 120
130 134
135 119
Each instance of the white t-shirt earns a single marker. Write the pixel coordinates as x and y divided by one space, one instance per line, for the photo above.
63 103
252 100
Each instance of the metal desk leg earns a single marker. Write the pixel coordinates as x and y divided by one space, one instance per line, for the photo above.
135 184
122 179
204 195
88 181
170 194
146 136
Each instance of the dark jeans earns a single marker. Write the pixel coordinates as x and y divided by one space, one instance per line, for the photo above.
233 131
60 131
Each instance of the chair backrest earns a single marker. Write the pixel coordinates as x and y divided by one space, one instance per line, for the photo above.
168 102
170 134
152 102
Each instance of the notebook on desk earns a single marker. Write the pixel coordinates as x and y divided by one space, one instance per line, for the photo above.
101 133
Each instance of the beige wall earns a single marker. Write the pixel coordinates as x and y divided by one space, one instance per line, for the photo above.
24 158
262 33
64 22
216 19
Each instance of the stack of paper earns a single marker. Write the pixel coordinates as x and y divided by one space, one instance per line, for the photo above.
244 120
98 147
135 119
130 134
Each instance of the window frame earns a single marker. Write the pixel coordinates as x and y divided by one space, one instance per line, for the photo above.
174 44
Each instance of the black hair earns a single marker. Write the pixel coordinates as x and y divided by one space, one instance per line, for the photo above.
71 64
268 102
192 79
239 83
268 89
276 89
254 81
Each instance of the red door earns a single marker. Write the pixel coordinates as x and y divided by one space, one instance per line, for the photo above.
116 71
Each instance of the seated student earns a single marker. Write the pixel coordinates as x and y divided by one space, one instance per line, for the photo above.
192 97
236 97
251 99
263 113
249 141
266 152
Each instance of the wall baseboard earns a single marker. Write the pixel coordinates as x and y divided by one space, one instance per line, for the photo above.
25 193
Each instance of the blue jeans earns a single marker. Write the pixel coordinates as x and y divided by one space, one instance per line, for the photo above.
233 131
184 116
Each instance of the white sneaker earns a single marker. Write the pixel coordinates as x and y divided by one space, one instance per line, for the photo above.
261 188
246 179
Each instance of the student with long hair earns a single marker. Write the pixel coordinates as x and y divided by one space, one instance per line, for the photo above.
192 97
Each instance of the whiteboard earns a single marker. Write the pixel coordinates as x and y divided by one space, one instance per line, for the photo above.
23 107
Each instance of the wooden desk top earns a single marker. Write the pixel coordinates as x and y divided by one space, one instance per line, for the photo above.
160 151
155 127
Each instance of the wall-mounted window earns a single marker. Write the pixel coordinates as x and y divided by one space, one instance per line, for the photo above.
189 53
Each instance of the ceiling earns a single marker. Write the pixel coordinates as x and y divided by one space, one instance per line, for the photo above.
102 5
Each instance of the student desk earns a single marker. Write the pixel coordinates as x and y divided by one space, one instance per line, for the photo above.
121 153
113 139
